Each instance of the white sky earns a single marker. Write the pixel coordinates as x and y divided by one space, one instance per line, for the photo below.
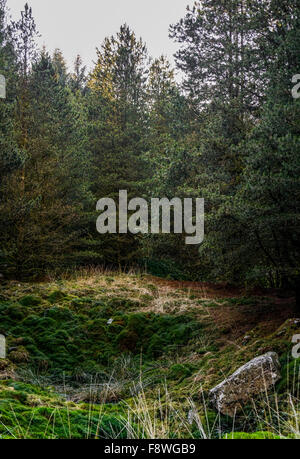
78 26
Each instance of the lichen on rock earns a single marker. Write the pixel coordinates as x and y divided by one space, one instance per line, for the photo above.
254 377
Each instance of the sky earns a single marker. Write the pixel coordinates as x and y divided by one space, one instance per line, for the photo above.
79 26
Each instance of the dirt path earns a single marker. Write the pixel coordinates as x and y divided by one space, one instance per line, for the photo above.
269 308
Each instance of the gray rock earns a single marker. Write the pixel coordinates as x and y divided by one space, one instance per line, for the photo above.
254 377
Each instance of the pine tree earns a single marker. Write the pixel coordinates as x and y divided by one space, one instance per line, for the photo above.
117 106
47 213
268 202
60 67
77 80
11 157
218 52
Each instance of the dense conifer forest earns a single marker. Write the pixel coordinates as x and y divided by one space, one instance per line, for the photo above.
227 129
229 133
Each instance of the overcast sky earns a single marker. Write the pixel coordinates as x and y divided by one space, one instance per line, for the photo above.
78 26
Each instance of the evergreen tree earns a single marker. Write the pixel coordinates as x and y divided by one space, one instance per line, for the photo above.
11 157
268 202
46 209
77 80
218 52
117 105
60 67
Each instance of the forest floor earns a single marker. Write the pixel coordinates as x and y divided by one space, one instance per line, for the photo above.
116 355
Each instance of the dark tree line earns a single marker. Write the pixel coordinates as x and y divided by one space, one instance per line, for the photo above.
228 133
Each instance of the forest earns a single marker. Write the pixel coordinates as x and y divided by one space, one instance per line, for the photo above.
227 130
229 134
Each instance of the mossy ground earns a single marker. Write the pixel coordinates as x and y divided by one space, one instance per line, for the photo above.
117 355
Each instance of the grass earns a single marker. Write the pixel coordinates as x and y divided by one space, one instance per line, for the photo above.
29 412
117 355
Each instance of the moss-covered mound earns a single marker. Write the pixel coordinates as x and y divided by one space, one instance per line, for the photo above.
85 335
30 412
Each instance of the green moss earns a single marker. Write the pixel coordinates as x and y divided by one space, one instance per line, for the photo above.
251 436
64 337
29 412
249 301
128 341
56 296
180 371
79 334
30 300
109 280
146 298
81 302
290 371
